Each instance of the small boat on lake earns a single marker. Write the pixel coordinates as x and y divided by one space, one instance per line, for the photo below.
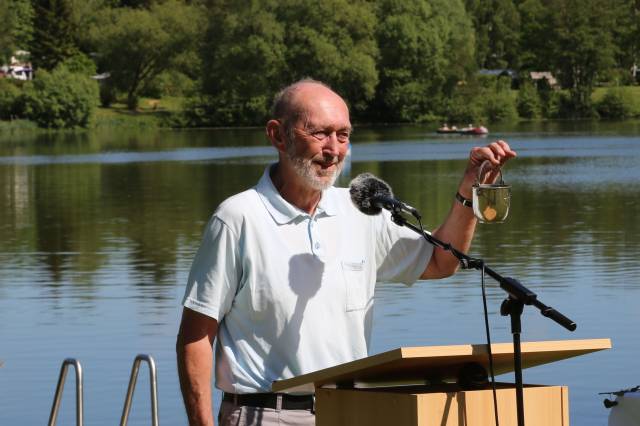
448 130
479 130
469 130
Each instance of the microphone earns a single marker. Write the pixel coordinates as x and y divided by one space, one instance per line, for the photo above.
370 195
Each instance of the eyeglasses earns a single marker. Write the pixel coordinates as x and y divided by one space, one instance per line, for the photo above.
342 135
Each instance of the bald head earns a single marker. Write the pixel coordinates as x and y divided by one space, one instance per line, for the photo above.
310 129
291 105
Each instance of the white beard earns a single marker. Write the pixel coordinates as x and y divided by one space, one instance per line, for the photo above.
304 167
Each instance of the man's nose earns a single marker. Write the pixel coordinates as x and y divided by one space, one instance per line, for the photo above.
332 145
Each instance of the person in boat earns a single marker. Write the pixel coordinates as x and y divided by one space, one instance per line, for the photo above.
284 278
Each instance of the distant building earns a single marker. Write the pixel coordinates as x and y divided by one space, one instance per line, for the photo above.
19 67
537 76
16 72
500 72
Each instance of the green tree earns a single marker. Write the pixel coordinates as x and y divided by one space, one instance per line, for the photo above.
253 48
136 45
535 26
497 26
617 103
626 33
84 15
9 98
426 47
7 42
80 64
16 34
460 41
575 40
464 106
482 99
528 101
333 41
53 33
580 46
61 99
243 59
498 102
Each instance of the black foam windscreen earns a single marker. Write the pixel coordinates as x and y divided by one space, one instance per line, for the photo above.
363 188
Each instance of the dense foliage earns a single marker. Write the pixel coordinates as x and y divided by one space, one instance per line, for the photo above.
426 47
497 28
61 99
17 27
53 33
393 61
528 101
252 49
617 103
10 95
136 45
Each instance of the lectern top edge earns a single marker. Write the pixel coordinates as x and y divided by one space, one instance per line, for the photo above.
500 348
438 357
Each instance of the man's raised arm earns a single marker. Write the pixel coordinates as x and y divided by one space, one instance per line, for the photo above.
460 224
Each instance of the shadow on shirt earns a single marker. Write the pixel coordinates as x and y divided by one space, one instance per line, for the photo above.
305 278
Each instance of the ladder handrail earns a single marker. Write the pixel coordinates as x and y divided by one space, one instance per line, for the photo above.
132 384
60 388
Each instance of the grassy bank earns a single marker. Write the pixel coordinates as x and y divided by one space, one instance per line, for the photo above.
150 113
17 125
633 91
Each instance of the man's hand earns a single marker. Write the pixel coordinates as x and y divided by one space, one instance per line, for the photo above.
496 153
195 359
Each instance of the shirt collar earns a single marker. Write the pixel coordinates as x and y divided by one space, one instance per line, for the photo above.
284 212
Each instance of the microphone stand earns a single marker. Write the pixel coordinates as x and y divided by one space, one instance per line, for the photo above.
513 305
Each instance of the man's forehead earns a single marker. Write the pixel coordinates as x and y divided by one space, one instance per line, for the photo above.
315 101
308 94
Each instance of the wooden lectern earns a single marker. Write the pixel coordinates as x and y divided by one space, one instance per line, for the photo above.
418 386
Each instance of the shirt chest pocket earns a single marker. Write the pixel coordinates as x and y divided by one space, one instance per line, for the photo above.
358 290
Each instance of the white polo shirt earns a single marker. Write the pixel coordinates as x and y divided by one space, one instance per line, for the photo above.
293 293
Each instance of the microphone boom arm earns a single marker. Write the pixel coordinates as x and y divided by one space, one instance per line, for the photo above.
514 288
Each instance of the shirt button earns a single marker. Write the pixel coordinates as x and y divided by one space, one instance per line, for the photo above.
317 245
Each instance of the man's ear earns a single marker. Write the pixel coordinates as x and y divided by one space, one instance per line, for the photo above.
275 133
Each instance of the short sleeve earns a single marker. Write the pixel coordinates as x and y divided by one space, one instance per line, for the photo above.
213 279
402 255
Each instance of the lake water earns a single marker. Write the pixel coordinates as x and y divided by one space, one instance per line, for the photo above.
97 233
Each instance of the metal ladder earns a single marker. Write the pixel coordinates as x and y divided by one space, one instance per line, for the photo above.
128 398
60 387
153 388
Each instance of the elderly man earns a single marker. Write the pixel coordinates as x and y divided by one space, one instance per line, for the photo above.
284 277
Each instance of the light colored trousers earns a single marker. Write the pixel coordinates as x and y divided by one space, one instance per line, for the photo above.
236 415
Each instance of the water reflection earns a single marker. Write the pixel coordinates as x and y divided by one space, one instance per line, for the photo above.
76 216
127 140
97 233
